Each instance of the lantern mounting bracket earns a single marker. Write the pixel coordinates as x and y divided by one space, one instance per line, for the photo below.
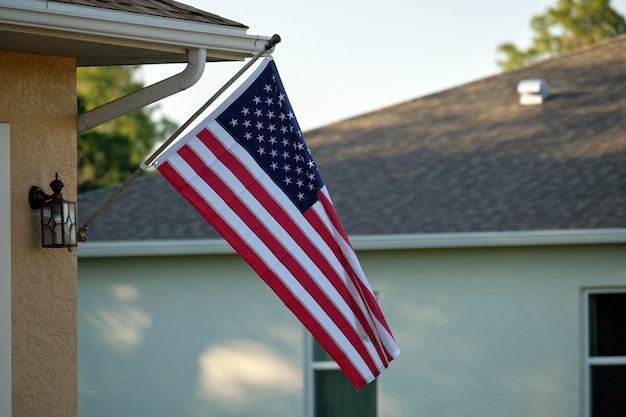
36 197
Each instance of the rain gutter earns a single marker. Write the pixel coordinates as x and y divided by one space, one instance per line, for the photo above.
127 29
200 41
196 59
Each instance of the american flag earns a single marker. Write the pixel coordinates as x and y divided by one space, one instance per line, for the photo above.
248 171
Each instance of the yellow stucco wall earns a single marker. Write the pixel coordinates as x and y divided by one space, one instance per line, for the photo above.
38 100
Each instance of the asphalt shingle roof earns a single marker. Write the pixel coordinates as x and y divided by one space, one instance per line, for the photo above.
468 159
162 8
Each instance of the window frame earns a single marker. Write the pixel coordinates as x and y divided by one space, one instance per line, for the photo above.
589 360
311 367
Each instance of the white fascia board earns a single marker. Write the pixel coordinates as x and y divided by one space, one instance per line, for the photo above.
364 243
114 249
490 239
74 21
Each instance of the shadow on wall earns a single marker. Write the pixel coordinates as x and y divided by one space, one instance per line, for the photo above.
121 327
160 349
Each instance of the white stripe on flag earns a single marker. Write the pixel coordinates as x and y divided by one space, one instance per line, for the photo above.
257 245
210 159
277 229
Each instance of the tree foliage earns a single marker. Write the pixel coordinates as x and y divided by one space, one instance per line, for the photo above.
569 25
109 153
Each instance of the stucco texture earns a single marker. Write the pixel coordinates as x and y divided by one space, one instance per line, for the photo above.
38 100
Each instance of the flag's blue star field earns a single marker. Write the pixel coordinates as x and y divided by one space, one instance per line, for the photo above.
262 121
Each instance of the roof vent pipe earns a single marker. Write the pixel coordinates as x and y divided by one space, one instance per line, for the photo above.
534 91
196 59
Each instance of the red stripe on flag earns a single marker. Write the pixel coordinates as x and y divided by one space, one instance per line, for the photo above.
370 325
284 219
271 241
273 281
358 280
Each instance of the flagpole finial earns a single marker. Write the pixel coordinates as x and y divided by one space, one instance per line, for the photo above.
272 42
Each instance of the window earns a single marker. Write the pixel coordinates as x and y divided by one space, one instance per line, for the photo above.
605 373
330 394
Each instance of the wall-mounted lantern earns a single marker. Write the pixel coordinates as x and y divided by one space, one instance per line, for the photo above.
58 216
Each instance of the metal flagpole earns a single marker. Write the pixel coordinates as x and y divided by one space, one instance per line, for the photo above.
146 164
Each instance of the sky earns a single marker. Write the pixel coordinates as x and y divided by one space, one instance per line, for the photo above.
342 58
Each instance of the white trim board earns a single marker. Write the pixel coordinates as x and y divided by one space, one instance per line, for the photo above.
5 271
362 243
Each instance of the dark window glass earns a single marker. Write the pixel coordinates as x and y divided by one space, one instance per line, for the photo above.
608 392
336 397
334 394
607 324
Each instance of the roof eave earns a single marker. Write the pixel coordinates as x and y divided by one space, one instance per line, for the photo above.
367 243
127 29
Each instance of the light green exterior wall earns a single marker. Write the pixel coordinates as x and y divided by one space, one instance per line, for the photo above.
490 332
483 331
185 336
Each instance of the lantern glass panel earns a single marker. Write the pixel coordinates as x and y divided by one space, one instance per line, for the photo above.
47 226
57 212
72 223
68 225
46 213
57 235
